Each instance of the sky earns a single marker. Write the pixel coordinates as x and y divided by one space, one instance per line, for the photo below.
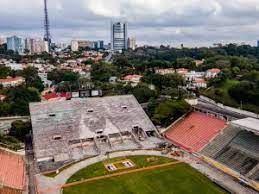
153 22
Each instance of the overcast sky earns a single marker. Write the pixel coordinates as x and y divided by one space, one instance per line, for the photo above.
192 22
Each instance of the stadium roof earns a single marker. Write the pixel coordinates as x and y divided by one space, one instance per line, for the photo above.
12 170
195 131
83 119
249 124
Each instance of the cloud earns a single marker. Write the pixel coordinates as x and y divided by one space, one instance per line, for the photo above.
192 22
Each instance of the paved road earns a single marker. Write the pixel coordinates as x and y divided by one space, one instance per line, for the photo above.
47 184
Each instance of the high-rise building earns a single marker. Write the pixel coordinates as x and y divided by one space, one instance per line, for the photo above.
2 41
15 44
30 45
76 44
132 43
99 44
39 46
119 36
257 43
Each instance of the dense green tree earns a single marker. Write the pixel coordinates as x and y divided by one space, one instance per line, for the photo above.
20 129
103 71
169 111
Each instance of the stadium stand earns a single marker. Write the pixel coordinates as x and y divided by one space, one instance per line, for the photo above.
222 140
236 148
195 131
12 173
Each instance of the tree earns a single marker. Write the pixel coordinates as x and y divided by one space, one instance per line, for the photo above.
4 71
32 79
103 71
169 111
143 93
20 129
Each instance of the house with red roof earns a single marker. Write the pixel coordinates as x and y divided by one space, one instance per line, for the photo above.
182 71
12 82
13 177
212 73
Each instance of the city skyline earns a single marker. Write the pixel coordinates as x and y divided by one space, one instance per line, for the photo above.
193 22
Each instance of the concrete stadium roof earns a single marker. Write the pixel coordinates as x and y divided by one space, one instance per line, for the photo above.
83 118
249 124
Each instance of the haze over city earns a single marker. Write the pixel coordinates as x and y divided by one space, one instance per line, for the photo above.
191 22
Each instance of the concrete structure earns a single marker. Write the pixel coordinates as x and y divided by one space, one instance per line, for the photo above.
132 43
237 148
249 124
67 130
15 44
119 36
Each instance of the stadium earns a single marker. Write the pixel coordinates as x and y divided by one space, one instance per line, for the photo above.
232 147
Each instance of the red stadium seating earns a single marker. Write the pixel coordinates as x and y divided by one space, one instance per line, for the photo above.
12 171
195 131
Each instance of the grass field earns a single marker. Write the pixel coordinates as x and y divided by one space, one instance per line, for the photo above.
177 179
98 169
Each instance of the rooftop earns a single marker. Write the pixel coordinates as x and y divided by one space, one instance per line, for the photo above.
249 124
12 170
195 131
79 119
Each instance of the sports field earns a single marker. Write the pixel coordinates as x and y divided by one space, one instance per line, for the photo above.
175 179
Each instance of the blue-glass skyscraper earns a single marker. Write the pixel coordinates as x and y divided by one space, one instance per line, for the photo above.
15 44
119 36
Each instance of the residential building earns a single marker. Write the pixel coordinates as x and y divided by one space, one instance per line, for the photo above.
119 36
2 41
165 71
132 43
199 83
15 44
40 46
12 82
182 71
99 44
212 73
30 45
133 79
193 75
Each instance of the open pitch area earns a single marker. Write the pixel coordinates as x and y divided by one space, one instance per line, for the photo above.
172 179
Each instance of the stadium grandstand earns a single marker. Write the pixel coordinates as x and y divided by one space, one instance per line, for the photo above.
237 147
12 173
64 131
195 131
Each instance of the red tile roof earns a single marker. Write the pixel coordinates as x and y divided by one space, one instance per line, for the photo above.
10 79
12 170
214 70
195 131
54 95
